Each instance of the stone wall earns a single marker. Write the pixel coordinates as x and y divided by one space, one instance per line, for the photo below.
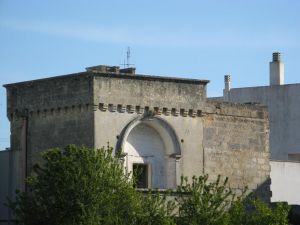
236 145
149 91
95 108
48 113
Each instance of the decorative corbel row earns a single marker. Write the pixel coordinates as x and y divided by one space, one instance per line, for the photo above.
121 108
192 113
155 110
158 110
112 107
51 111
184 112
166 111
130 108
140 109
175 112
103 107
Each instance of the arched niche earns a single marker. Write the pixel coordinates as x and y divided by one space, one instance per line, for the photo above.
152 143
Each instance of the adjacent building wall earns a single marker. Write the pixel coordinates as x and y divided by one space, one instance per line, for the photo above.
283 106
8 185
5 184
285 182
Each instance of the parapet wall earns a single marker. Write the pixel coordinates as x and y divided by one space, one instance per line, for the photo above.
48 95
149 91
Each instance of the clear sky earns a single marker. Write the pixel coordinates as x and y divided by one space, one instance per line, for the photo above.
191 38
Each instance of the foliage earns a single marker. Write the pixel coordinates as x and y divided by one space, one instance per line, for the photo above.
252 211
78 186
82 186
203 202
157 209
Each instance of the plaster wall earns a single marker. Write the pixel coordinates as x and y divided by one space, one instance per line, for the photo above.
283 106
189 131
285 182
144 145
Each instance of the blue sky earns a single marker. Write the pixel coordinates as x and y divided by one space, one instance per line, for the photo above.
192 39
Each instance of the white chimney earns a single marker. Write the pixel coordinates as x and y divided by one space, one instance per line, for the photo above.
276 70
227 81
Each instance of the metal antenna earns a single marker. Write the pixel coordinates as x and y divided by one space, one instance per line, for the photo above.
128 56
127 61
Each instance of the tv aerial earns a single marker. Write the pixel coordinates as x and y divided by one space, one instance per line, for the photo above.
126 63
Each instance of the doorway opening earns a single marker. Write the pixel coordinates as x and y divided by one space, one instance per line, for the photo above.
141 175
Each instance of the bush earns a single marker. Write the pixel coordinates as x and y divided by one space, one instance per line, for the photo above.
252 211
157 209
201 202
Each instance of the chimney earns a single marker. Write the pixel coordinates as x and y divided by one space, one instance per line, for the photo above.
111 69
103 69
226 89
276 70
128 71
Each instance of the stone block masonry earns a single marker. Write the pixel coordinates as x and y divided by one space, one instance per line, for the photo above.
92 108
236 144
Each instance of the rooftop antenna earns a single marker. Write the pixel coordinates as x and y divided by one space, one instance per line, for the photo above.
127 62
128 56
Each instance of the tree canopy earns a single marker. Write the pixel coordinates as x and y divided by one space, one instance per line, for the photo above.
82 186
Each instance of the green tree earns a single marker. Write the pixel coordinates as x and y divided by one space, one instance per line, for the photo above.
78 186
252 211
157 209
203 202
82 186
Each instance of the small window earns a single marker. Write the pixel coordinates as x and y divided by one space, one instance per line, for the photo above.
140 173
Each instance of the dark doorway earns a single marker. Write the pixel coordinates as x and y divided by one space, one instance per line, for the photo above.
140 173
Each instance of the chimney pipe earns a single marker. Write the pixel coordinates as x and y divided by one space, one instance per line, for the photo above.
276 70
226 90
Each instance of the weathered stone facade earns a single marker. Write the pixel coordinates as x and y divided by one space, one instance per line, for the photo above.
92 108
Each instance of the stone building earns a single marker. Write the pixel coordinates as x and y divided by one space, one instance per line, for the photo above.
164 125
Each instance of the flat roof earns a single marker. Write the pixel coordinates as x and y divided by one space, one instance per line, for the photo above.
114 75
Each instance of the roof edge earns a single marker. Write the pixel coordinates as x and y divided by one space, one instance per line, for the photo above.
114 75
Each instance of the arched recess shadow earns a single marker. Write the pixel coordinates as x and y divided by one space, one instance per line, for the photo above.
170 158
165 130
